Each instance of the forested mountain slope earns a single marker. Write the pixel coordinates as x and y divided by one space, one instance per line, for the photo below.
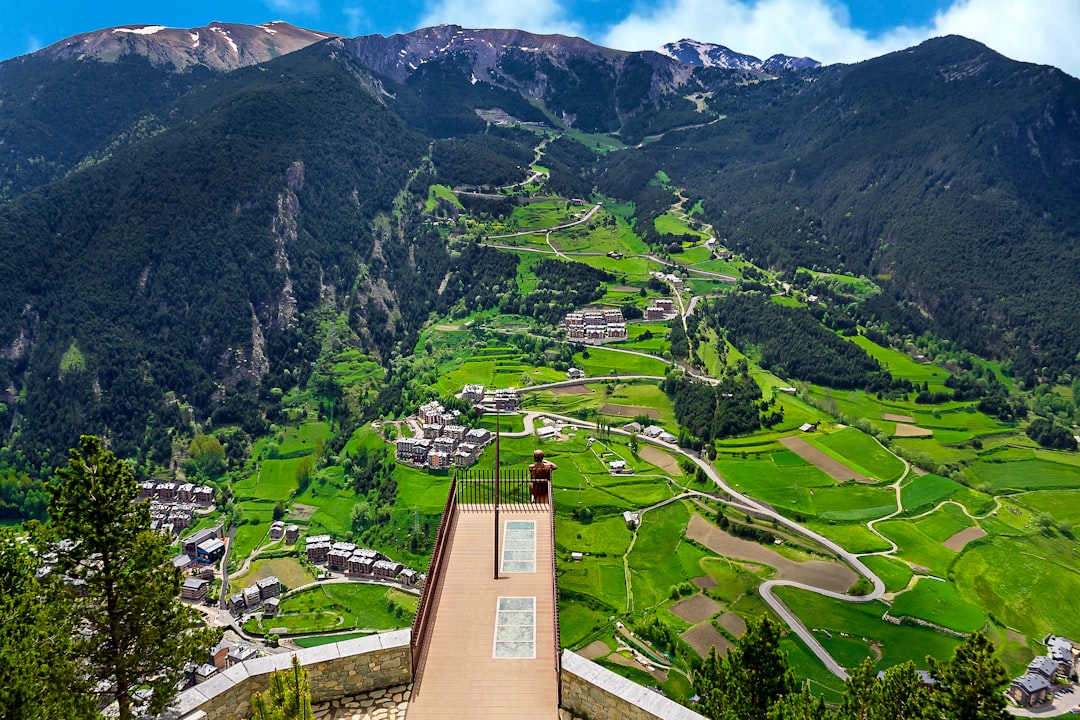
183 266
948 170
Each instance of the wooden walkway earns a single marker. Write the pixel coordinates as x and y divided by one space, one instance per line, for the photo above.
471 670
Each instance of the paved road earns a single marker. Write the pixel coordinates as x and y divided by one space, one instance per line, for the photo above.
767 588
223 601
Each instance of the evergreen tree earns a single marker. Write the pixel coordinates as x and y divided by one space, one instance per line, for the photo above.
287 698
121 586
901 695
761 668
799 705
36 662
969 685
747 682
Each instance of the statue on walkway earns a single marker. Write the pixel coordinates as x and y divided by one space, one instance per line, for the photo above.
540 473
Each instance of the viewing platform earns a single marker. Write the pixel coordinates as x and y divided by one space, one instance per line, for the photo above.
486 634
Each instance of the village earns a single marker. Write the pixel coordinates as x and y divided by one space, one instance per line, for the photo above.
1047 686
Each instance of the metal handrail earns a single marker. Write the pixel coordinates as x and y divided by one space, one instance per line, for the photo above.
421 627
555 594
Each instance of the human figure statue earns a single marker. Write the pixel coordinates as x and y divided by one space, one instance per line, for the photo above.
540 473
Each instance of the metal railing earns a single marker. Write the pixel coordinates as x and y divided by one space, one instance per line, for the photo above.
482 490
514 490
421 627
555 598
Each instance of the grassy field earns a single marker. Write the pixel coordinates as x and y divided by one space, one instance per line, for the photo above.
898 643
852 536
861 452
340 606
903 366
288 570
803 489
276 479
806 665
437 193
610 362
1062 504
939 603
661 556
922 491
421 490
895 574
943 523
917 547
669 224
1026 474
1027 583
316 640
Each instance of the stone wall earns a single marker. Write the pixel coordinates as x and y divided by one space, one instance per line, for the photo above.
594 692
335 671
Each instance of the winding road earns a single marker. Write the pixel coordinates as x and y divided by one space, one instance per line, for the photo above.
767 588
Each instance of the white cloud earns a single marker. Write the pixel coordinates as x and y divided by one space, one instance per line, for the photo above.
814 28
538 16
1033 32
1041 32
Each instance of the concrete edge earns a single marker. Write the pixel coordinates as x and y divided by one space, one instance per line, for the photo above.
630 691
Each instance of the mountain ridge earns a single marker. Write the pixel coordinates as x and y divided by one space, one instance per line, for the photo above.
217 46
703 54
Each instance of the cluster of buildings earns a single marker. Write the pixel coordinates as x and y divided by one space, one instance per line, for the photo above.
440 445
201 549
1036 686
263 593
671 279
278 530
170 492
485 400
651 431
347 558
223 655
661 309
595 326
172 505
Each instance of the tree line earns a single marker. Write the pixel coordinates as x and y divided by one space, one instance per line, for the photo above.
755 682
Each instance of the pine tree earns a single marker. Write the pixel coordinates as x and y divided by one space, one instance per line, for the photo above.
747 682
122 587
40 680
901 695
969 685
799 705
761 667
287 698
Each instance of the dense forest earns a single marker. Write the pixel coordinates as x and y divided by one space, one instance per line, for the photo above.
732 406
790 342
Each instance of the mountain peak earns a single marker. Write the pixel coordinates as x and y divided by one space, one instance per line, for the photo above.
703 54
219 46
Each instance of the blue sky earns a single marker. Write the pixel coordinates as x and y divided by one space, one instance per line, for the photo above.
828 30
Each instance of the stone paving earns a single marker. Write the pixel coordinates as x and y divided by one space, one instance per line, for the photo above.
385 704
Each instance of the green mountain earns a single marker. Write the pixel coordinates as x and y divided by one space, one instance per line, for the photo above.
183 238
